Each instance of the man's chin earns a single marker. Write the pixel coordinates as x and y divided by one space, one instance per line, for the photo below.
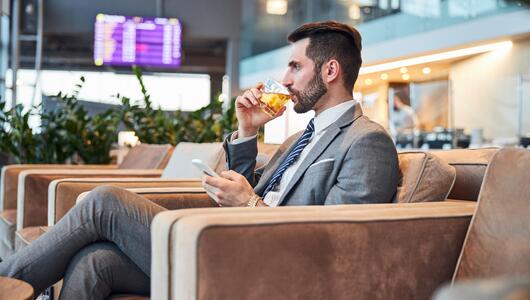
300 109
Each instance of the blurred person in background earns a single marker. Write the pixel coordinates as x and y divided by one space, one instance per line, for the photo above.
404 118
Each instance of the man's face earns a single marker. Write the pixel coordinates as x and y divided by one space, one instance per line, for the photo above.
305 85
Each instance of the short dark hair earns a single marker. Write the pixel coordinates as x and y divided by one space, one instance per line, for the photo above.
332 40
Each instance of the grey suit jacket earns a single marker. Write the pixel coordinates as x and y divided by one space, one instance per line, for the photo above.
355 161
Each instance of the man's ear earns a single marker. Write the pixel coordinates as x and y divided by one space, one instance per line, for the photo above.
331 71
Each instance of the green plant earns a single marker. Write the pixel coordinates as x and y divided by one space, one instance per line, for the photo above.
209 123
64 131
17 137
69 129
90 136
152 126
155 126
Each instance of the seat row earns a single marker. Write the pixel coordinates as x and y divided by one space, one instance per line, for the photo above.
405 249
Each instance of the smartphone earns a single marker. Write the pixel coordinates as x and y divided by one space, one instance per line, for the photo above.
204 167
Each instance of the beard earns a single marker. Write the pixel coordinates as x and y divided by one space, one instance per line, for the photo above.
308 97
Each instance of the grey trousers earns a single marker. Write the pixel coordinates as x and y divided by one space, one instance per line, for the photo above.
102 246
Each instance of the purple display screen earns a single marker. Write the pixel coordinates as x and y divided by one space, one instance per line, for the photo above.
127 41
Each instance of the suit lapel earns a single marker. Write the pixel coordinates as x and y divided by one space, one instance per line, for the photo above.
346 119
315 152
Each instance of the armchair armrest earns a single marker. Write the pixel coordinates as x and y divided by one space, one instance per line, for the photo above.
177 198
32 192
9 179
389 251
172 197
62 193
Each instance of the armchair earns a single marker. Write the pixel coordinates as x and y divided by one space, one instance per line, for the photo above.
384 251
22 183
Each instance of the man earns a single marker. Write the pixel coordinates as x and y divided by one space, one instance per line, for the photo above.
102 246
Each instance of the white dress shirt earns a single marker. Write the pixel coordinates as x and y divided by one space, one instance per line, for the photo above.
321 122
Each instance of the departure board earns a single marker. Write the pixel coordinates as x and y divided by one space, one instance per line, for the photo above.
140 41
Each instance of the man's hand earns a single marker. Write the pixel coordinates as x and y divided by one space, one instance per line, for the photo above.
233 189
249 115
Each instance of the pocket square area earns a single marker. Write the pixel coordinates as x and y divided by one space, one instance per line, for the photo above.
322 161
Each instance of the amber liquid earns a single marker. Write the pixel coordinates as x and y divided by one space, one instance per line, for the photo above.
271 104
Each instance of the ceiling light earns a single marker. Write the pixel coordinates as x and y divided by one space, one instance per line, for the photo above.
368 81
405 76
435 57
384 76
403 70
426 70
354 12
277 7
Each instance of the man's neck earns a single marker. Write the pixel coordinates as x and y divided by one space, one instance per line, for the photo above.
329 100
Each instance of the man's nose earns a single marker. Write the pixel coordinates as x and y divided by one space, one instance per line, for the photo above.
286 81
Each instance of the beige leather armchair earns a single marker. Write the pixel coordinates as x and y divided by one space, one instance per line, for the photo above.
385 251
374 251
25 186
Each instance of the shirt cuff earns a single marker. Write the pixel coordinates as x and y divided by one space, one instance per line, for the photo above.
234 140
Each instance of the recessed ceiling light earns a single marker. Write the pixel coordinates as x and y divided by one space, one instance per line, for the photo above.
426 70
277 7
354 12
403 70
368 81
384 76
435 57
405 76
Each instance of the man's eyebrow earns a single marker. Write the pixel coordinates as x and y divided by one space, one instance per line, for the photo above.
293 63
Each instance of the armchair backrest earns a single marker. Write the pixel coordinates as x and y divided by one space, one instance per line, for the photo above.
470 166
147 156
498 239
212 154
179 165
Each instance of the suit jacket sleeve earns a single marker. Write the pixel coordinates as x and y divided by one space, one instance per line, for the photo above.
242 158
370 172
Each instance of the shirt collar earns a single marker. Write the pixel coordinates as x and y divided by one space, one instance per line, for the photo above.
332 114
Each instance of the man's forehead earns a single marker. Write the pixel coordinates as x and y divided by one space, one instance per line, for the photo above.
298 50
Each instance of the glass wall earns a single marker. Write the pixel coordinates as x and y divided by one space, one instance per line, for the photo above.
186 92
266 23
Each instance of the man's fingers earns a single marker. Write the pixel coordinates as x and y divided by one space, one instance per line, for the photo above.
231 175
215 181
257 94
249 95
246 103
260 85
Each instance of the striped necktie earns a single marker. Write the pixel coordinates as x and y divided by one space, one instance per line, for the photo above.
291 158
